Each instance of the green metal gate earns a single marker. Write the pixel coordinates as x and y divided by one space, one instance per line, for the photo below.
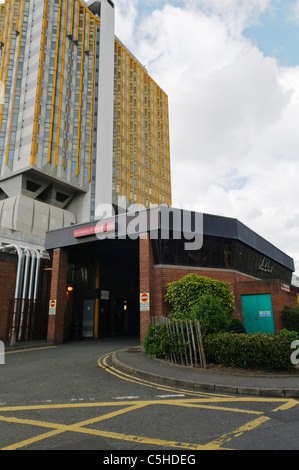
258 313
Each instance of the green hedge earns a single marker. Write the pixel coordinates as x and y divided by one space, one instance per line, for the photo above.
290 318
259 350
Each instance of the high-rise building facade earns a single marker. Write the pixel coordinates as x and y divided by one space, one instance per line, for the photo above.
81 121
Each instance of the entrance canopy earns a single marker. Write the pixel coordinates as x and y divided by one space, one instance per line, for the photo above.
163 223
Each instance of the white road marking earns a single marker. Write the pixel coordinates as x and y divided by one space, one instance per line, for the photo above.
169 396
126 398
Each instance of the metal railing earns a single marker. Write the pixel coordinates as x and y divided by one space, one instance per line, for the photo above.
187 349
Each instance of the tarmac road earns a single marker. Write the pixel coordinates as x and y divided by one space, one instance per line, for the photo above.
74 397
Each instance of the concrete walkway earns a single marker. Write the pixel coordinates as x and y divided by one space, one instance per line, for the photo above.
134 361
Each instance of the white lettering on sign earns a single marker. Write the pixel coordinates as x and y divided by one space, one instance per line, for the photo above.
265 314
52 307
100 228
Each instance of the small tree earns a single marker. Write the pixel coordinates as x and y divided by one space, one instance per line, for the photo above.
184 294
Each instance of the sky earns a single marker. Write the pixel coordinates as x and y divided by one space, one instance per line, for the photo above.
231 71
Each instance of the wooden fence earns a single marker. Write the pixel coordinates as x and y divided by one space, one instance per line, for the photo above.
188 350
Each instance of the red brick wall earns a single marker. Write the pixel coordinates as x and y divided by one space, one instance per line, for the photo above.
154 279
58 293
164 275
146 276
8 272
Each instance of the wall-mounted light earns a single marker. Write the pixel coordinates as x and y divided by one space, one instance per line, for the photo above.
70 289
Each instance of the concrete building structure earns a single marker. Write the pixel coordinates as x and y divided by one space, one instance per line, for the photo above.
84 131
82 123
118 269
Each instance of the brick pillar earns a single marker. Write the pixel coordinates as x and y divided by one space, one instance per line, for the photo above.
58 293
145 269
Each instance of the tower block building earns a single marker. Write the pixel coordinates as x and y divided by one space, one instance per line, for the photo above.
82 123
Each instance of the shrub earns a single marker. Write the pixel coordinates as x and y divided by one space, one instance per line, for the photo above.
160 342
184 294
290 318
209 311
258 350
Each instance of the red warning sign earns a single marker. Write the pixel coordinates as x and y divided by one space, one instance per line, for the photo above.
144 301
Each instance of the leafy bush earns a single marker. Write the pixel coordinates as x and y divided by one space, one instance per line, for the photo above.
290 318
209 311
184 294
160 342
258 350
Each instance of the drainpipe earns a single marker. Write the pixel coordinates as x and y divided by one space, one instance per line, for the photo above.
35 274
17 287
31 288
25 290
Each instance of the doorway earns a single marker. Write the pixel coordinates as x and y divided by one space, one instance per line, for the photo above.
258 313
111 297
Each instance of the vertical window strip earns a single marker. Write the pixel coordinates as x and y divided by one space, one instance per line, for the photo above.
140 179
38 93
7 50
144 134
152 138
7 22
72 18
15 82
168 156
61 81
78 21
4 22
162 166
165 148
92 96
129 128
158 150
2 14
18 15
116 118
121 125
125 123
81 93
88 32
54 83
148 141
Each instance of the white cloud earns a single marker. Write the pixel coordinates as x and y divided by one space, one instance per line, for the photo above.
296 11
233 114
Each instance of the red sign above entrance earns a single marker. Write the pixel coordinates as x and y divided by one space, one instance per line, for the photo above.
85 232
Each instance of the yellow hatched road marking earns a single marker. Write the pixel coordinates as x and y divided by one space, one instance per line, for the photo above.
238 432
206 401
61 428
